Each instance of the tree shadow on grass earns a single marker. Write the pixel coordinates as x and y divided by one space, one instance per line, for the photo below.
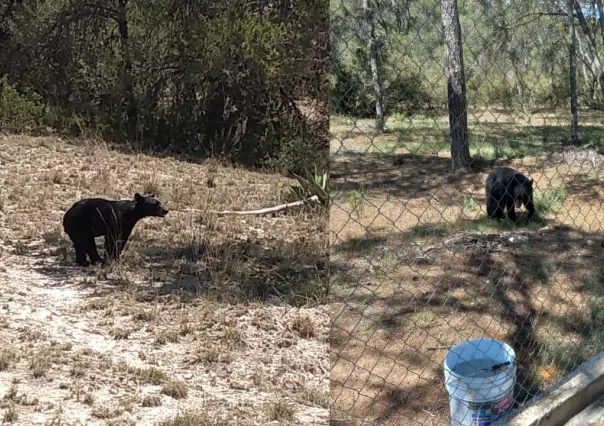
514 282
413 178
585 187
235 271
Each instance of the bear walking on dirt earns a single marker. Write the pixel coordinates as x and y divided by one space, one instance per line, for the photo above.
508 188
113 219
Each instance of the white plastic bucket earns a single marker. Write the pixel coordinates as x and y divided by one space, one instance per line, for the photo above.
479 395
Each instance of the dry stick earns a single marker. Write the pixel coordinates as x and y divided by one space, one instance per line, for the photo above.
314 198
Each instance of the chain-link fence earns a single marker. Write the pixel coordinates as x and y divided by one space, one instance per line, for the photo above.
419 264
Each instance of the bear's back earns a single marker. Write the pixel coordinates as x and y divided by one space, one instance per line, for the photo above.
96 215
507 175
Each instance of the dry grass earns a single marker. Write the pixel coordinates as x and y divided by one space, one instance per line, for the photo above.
304 326
422 269
197 313
10 414
189 418
7 357
280 411
177 389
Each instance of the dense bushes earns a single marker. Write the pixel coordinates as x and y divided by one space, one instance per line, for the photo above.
198 77
351 95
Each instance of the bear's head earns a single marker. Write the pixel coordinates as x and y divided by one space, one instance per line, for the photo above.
149 205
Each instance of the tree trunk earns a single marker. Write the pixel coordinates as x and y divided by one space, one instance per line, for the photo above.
594 56
519 83
374 52
127 80
574 122
591 79
456 87
601 80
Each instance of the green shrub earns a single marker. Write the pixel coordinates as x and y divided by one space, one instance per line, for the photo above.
403 93
27 113
550 200
20 113
312 184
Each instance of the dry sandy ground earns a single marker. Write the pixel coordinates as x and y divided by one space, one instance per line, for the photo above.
183 330
422 269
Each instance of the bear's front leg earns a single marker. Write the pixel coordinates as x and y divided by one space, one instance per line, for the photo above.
113 248
80 250
494 208
110 248
530 206
511 203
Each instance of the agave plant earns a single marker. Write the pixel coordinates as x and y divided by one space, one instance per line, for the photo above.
312 184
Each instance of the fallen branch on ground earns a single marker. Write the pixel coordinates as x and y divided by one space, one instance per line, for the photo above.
314 198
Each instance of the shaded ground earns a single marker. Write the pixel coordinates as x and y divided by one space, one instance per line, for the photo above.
218 320
424 269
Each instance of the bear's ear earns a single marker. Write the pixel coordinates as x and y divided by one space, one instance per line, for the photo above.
530 181
138 197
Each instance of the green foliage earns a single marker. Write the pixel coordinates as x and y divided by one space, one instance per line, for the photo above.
204 79
356 201
549 201
312 184
18 112
28 113
521 67
469 204
352 95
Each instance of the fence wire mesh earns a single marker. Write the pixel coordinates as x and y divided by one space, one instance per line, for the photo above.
419 265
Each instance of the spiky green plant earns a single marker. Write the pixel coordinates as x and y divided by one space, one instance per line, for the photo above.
312 184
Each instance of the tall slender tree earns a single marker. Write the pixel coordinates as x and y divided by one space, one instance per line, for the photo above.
456 86
574 121
374 55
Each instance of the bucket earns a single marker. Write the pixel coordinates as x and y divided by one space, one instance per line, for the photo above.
480 375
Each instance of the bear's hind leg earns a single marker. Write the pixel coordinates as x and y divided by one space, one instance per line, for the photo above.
491 207
93 254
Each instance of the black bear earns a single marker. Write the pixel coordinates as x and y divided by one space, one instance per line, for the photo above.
508 188
113 219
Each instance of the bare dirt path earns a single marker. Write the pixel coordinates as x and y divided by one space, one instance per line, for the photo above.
64 359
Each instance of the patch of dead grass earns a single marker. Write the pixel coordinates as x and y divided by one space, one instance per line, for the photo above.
303 325
39 365
151 401
177 389
10 414
7 357
189 418
280 411
151 375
